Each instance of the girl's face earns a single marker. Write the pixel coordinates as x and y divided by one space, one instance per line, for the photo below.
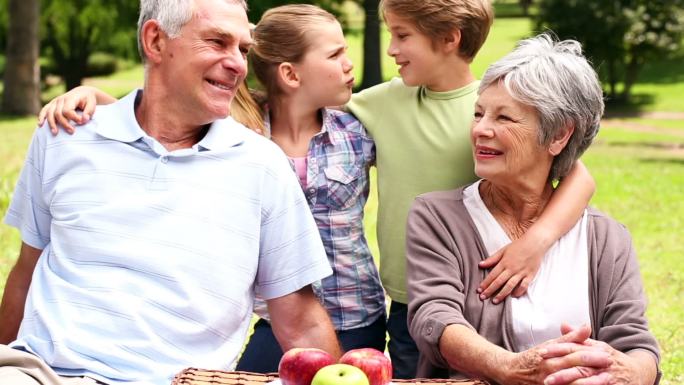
325 71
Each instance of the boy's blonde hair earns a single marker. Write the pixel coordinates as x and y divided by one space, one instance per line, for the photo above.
437 18
283 35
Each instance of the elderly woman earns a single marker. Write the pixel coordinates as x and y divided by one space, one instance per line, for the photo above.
582 318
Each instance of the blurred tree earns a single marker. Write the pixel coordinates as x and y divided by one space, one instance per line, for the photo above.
74 29
257 8
525 5
372 69
618 35
3 24
22 75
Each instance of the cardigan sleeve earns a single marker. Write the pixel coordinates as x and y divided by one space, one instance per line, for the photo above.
435 286
622 324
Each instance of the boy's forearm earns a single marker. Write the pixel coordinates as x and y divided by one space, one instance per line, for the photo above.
566 205
102 97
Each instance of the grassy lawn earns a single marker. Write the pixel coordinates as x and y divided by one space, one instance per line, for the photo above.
638 164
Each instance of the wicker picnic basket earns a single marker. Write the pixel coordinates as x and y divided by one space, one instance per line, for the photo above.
194 376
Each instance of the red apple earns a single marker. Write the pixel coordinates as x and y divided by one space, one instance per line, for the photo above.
299 365
374 363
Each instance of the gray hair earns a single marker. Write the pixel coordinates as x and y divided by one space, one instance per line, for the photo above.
557 80
171 15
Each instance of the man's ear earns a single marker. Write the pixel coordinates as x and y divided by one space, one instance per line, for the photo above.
452 41
153 41
288 76
561 140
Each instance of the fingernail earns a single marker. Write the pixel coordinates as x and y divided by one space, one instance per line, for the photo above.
495 301
549 380
479 290
483 297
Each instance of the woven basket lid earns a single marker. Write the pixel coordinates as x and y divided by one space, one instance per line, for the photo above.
194 376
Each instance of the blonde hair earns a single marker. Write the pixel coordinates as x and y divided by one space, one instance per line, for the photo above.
246 110
282 35
437 18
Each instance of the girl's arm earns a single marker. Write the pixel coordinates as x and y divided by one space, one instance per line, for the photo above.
62 110
516 264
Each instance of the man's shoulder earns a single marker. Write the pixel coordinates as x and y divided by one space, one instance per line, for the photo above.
257 147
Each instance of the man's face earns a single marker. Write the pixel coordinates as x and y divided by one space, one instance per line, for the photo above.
204 66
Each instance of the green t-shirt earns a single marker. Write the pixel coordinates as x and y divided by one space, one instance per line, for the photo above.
422 141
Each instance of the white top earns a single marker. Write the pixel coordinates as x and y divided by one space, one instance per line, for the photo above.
151 258
551 297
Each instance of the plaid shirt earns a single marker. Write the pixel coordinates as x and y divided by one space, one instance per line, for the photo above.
337 185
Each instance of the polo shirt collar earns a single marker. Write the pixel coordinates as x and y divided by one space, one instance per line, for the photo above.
222 135
118 120
121 125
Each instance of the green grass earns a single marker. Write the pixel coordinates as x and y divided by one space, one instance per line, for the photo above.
642 186
640 178
15 134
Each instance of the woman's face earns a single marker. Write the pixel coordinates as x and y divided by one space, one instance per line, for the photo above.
505 139
326 71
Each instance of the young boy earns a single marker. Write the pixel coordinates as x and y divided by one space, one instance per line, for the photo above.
421 127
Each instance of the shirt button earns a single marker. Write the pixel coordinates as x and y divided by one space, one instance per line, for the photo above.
429 330
164 159
312 191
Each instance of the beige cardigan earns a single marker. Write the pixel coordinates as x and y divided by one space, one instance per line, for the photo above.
443 250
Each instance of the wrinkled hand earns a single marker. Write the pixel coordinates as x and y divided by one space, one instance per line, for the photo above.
622 370
514 268
62 110
561 355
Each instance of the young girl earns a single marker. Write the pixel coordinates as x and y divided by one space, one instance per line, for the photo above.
300 57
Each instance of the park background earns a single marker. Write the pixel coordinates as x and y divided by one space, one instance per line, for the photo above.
637 158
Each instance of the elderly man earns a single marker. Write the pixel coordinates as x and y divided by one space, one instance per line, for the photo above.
147 233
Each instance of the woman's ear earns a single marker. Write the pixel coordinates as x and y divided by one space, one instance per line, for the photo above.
288 76
153 41
561 140
452 41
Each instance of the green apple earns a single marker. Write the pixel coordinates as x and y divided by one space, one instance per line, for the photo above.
340 374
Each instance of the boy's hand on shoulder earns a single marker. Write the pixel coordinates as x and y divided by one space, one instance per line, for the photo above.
514 268
76 106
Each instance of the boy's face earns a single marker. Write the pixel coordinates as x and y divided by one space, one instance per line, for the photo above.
419 57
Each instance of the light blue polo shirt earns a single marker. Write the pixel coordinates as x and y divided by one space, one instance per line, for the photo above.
151 258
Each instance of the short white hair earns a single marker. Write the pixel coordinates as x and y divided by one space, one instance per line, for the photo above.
557 80
171 15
